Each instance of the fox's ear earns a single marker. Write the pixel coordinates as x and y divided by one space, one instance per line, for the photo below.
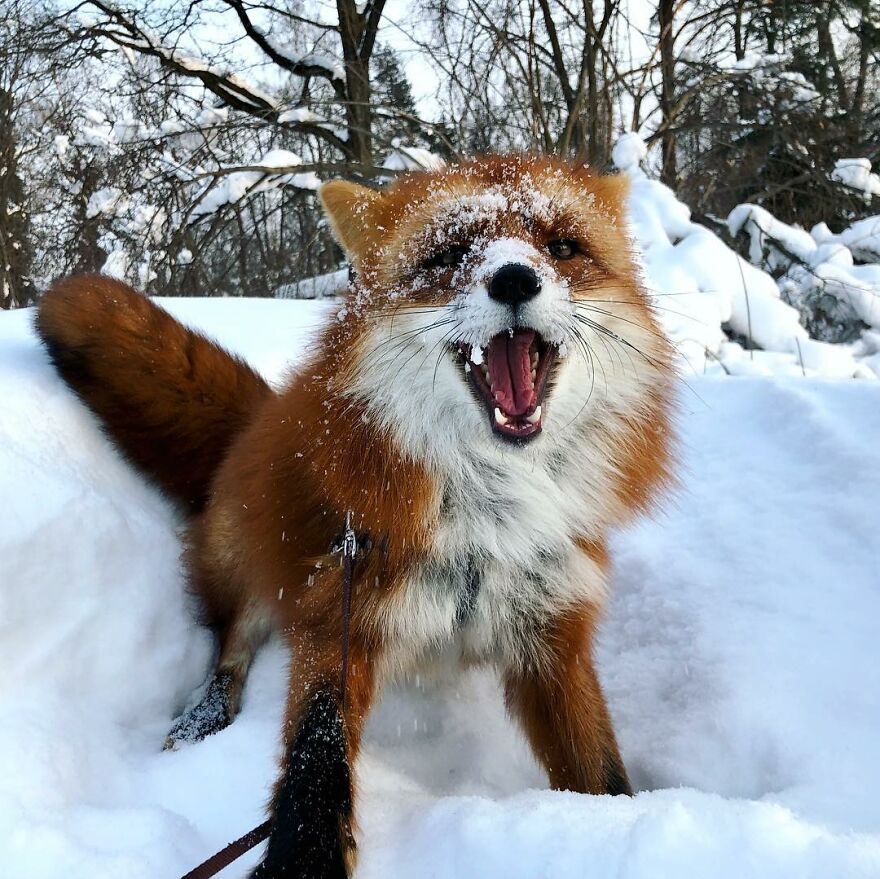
347 206
618 186
612 190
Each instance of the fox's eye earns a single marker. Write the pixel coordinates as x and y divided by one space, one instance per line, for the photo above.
448 258
563 248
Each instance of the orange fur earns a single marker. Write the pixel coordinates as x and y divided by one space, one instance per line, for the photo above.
563 712
171 399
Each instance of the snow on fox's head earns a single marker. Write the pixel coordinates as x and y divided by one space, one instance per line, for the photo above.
495 300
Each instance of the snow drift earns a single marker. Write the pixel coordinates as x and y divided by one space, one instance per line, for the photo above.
739 654
705 292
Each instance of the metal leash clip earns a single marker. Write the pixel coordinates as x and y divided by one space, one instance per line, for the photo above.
349 539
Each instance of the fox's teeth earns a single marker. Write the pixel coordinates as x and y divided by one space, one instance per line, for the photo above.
534 375
535 417
500 417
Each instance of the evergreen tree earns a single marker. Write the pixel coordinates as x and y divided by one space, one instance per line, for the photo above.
394 108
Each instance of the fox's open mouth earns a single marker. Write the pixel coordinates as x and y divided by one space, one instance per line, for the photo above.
510 375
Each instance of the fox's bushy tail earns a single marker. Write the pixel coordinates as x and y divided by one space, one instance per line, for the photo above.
171 399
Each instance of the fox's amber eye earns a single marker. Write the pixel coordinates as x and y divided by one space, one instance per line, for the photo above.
448 258
563 248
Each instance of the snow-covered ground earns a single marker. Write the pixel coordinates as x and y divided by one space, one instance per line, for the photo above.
740 654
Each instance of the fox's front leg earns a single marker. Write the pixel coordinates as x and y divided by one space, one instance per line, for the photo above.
559 702
313 805
239 642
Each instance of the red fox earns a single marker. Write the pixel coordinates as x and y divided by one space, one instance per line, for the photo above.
493 397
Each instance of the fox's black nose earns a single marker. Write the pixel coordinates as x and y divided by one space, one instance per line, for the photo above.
514 283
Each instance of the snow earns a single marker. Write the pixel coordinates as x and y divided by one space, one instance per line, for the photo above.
807 261
409 158
862 238
209 116
298 114
331 68
319 287
761 224
739 654
244 90
117 264
629 151
279 158
701 287
856 174
105 202
266 173
767 68
756 60
698 282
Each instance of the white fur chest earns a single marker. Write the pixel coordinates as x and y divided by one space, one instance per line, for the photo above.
505 553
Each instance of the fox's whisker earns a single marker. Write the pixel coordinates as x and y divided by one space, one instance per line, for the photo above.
406 336
581 306
616 337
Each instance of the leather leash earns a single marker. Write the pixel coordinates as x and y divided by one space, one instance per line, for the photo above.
235 849
349 551
232 852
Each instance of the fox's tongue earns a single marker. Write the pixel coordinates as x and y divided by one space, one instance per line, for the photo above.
510 371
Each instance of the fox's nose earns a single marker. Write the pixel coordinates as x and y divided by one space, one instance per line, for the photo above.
514 283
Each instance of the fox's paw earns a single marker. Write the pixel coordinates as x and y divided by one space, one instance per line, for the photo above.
213 712
297 851
332 868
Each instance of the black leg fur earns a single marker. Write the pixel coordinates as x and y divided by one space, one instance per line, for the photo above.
616 780
313 805
213 712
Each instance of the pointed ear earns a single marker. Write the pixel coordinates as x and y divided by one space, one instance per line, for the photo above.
618 185
347 206
612 190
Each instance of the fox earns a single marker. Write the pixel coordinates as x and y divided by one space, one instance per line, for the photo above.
493 397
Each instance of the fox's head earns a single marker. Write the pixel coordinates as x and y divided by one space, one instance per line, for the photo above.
496 300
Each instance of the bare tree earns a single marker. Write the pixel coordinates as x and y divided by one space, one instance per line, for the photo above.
181 146
328 72
666 20
766 102
537 74
15 242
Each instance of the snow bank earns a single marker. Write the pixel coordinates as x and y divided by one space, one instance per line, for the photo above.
629 151
815 261
702 288
319 287
739 654
697 281
862 238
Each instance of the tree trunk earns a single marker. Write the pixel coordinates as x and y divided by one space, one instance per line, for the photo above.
15 246
357 33
666 13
